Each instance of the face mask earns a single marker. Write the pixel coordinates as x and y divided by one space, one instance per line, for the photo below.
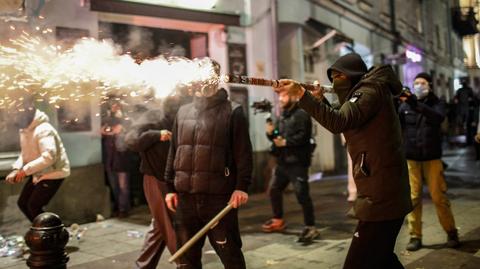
420 91
341 88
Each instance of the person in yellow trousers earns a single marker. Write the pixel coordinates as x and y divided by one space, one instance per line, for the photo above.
421 115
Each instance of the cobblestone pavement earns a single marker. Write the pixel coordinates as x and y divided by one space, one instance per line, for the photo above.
112 244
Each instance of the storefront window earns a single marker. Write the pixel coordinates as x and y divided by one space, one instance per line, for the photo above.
147 42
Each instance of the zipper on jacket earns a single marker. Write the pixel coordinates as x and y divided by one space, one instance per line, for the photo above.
193 152
363 165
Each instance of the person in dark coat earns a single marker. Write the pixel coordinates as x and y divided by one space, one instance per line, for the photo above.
150 137
368 119
293 149
421 116
117 162
477 139
466 102
209 166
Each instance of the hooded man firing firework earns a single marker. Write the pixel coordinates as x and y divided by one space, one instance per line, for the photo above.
43 161
209 165
372 131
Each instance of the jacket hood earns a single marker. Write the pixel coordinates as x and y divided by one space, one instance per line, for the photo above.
219 97
385 76
351 65
40 117
172 104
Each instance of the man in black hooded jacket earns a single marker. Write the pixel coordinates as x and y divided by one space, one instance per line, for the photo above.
368 119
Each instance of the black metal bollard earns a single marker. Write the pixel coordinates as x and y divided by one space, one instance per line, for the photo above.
47 239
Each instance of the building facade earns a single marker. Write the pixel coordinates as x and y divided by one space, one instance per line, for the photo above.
238 34
467 19
297 39
414 36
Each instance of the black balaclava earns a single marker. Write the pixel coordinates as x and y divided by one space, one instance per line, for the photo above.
353 67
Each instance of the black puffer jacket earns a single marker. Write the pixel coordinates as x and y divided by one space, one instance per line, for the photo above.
421 128
295 126
144 135
209 135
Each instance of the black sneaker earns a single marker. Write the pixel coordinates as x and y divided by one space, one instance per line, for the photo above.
414 244
309 234
452 239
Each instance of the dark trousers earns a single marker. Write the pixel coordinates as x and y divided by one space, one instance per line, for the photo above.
161 233
298 176
372 245
477 151
193 212
34 197
120 186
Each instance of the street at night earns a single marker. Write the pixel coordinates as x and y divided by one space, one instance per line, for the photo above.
239 134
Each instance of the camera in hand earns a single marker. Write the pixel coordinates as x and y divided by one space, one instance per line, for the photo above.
263 106
275 132
405 92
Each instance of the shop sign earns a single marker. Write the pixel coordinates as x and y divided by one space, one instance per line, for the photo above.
413 56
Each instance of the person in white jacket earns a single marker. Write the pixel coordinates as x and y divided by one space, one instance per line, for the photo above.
43 161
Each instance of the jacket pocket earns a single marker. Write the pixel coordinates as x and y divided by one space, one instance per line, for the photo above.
361 168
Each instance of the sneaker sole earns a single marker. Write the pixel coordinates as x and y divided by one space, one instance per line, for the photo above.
276 230
316 237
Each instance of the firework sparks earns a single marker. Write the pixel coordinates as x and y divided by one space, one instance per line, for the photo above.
91 68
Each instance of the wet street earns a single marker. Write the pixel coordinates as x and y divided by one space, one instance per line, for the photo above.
114 243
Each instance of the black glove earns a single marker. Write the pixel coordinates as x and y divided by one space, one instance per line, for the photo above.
412 101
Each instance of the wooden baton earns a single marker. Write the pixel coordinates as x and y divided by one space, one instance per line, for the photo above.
200 233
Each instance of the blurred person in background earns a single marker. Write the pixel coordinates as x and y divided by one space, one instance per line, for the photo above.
293 150
465 101
421 116
351 187
477 139
117 163
150 136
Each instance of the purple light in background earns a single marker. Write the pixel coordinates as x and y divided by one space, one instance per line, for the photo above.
410 70
413 56
413 65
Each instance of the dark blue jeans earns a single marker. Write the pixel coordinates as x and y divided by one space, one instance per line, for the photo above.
120 187
298 176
